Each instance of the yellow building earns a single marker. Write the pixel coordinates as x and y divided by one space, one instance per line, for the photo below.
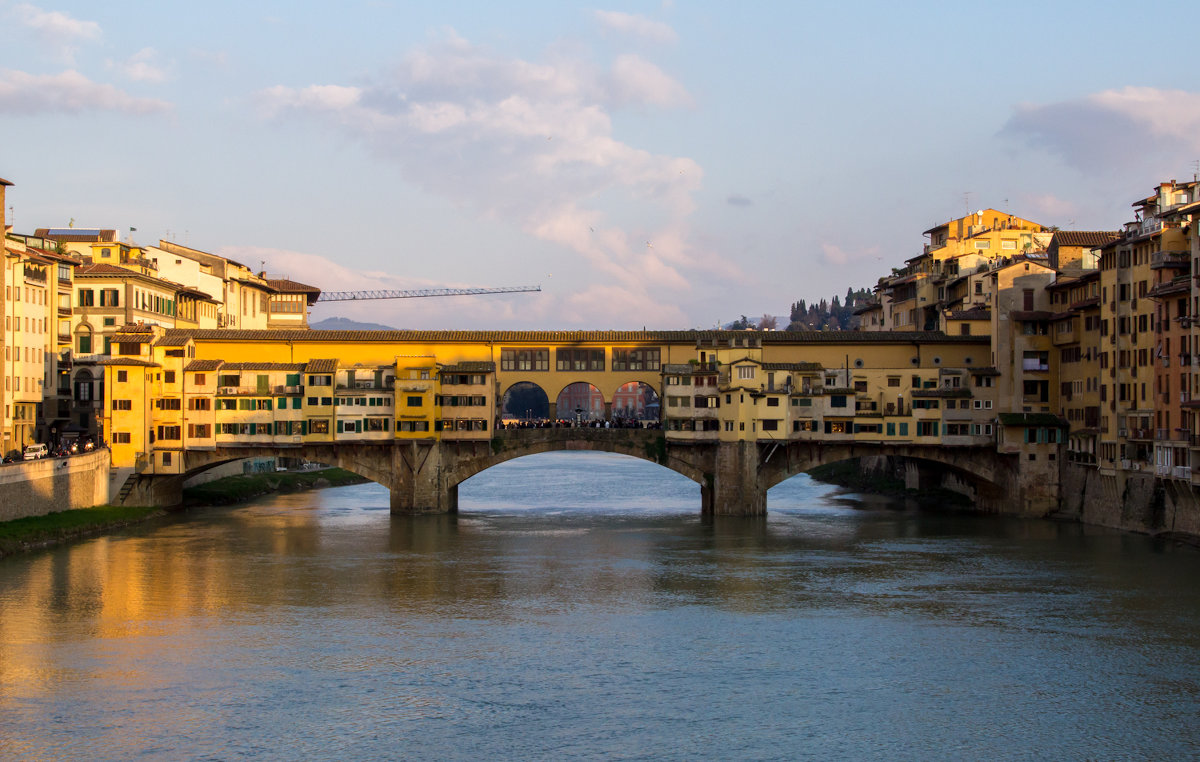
29 344
952 271
1129 331
1075 333
243 388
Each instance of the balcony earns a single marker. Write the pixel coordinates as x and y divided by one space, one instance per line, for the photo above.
1161 259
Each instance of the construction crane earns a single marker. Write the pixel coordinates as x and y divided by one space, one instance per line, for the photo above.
354 296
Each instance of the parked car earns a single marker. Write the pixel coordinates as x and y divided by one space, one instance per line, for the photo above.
36 452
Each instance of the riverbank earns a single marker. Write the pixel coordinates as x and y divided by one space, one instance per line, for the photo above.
237 489
36 532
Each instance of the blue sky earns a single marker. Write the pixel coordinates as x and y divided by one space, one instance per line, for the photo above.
668 165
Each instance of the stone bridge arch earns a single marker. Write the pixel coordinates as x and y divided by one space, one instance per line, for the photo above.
989 476
643 444
523 397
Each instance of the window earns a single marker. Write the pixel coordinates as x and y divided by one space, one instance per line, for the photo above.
85 343
983 244
319 427
745 371
168 377
525 359
122 404
635 359
414 401
120 437
579 359
109 297
837 400
122 376
87 297
200 403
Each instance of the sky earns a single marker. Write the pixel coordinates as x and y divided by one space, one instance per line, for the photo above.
666 165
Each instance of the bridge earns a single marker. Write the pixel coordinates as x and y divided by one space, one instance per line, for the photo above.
422 411
424 477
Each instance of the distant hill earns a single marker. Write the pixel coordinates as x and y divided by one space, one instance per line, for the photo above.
346 324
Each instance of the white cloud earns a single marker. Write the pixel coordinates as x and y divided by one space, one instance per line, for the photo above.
57 30
596 305
635 25
55 25
142 66
532 143
837 255
68 92
636 80
1114 128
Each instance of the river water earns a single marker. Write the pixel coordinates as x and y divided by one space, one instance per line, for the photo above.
578 607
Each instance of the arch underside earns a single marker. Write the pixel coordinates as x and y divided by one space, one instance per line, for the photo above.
641 444
370 462
980 466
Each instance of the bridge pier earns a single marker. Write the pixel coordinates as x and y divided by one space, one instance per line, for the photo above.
734 488
418 482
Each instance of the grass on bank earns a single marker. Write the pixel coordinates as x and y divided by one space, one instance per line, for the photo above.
235 489
20 534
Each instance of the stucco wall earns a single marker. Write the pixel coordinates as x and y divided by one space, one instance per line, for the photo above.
54 484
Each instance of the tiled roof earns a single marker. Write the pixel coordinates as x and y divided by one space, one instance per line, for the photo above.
203 365
470 367
285 286
320 366
581 337
1086 238
792 366
1031 315
292 366
172 341
679 369
103 268
976 313
128 361
960 392
132 338
77 235
1032 419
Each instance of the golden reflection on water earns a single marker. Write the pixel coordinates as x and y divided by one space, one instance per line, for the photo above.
196 617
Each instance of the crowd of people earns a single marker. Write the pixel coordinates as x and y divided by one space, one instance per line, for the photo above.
567 423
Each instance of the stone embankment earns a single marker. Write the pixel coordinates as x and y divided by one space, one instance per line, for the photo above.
38 487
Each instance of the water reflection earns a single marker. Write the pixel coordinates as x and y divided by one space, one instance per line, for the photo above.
576 594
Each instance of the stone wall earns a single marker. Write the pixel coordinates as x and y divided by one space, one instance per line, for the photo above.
1132 502
38 487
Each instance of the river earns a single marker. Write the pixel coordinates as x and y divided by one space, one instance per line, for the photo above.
578 607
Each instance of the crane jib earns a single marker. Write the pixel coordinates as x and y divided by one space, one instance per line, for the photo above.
349 296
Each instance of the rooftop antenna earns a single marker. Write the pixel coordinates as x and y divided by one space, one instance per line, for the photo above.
1196 170
967 203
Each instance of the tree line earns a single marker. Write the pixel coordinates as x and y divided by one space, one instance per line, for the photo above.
836 314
